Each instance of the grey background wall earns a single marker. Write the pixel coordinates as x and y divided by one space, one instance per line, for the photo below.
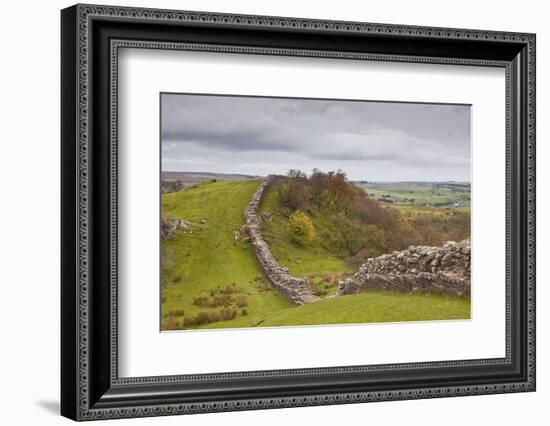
29 212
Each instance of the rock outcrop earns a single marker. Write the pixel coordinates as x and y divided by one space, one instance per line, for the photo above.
444 269
169 226
296 290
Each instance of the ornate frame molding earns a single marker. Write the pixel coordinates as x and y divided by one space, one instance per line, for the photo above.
82 17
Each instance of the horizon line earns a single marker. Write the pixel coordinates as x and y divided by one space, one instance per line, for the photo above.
351 180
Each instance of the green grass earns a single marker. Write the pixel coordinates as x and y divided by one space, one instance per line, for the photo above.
209 260
210 257
314 257
374 307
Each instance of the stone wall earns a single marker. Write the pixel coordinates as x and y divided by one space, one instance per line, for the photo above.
444 269
296 290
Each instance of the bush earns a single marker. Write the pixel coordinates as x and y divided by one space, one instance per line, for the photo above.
227 313
212 301
351 235
174 313
230 289
294 193
207 317
171 186
265 286
323 282
169 324
241 301
361 257
200 318
348 223
302 227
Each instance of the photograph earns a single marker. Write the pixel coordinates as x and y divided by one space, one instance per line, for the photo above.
302 212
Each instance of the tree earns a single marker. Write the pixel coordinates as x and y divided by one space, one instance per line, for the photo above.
294 194
352 235
303 230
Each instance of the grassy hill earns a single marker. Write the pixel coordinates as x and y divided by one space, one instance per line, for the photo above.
374 307
317 260
175 181
211 279
209 258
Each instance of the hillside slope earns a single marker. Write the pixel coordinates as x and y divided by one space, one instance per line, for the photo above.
314 260
374 307
211 278
208 259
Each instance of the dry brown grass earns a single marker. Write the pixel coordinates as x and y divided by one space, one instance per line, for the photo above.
207 317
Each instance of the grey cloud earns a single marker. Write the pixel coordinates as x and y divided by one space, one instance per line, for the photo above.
377 140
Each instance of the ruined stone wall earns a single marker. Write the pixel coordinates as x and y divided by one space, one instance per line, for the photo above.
297 290
444 269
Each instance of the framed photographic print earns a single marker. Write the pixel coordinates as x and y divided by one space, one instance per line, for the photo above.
263 212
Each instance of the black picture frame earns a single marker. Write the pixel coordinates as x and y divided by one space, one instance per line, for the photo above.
90 386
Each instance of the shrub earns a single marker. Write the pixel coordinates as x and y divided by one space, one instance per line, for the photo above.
265 286
230 289
207 317
174 313
349 223
227 313
221 300
202 301
171 186
200 318
241 301
324 282
212 301
295 193
303 230
169 324
361 257
318 290
351 235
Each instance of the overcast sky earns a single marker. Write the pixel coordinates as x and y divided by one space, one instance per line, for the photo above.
376 141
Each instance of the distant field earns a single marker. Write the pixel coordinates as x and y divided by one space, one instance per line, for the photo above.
453 195
415 210
176 181
190 178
